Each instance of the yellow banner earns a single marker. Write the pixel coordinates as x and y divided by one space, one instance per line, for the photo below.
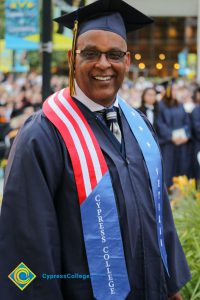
6 58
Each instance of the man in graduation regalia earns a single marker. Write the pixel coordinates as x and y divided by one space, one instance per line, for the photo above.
84 201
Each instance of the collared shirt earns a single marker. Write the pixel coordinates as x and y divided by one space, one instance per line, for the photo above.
150 113
93 106
97 109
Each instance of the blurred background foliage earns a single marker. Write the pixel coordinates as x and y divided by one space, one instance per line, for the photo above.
186 211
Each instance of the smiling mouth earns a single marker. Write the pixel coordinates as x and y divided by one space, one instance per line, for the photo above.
102 78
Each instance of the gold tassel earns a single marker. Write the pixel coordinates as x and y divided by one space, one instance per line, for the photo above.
72 60
169 89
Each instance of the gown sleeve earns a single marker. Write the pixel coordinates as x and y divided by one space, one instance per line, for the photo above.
196 122
29 230
178 267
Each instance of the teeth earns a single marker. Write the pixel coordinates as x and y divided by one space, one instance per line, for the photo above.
102 78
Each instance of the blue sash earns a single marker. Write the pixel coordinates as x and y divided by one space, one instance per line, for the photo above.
152 158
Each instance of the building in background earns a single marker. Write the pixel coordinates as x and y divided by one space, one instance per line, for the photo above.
168 48
171 45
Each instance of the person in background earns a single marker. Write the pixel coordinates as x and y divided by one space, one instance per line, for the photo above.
196 96
149 105
174 133
84 192
195 118
186 99
4 129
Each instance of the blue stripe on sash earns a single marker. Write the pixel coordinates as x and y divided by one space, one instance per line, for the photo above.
151 154
104 244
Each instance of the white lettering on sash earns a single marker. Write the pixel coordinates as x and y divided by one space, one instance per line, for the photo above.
105 249
157 171
98 204
100 219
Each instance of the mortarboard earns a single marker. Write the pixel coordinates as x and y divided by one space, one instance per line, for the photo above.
167 84
110 15
132 18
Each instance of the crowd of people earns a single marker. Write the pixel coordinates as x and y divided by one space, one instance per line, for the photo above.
173 109
20 96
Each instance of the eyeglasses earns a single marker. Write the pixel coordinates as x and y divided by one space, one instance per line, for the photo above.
94 55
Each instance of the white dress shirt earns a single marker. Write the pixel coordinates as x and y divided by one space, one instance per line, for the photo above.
93 106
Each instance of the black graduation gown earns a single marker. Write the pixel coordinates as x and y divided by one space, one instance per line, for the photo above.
177 159
41 224
195 117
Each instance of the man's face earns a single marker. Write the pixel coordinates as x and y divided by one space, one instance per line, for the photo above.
101 79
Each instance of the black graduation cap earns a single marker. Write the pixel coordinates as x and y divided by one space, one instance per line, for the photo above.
167 84
110 15
132 18
3 104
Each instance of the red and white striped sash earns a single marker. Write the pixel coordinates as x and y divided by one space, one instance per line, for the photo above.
88 161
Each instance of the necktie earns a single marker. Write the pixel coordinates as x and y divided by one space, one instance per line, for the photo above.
101 115
112 122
